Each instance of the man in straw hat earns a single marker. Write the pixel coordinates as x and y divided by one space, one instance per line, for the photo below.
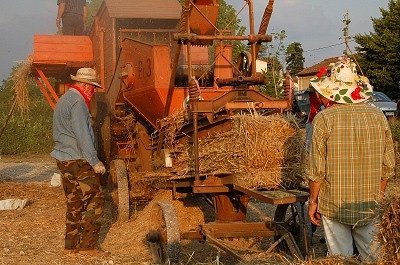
351 160
80 167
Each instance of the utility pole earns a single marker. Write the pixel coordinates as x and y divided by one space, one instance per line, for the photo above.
346 21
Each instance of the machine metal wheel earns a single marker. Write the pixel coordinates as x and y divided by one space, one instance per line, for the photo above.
120 193
295 220
164 236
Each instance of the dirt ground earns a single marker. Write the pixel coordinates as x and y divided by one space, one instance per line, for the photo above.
34 235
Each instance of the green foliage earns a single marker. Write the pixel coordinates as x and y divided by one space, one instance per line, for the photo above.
273 85
30 135
395 128
294 58
272 54
93 6
379 51
228 20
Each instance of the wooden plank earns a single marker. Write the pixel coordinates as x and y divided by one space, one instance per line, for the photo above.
66 57
63 47
275 197
58 49
54 39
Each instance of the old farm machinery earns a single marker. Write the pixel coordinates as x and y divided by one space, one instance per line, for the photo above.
155 60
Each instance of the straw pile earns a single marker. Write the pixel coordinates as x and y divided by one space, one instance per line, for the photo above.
331 260
21 79
262 151
389 230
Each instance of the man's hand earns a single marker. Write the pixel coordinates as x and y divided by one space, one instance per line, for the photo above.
315 217
99 168
58 23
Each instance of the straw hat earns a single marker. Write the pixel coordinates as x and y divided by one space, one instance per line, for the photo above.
340 83
86 75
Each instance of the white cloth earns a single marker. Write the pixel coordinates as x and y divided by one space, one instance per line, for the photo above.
339 239
13 204
55 180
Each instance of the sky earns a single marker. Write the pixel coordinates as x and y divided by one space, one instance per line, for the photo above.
313 23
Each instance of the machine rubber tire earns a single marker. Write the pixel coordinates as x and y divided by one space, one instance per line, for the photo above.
119 179
164 236
296 221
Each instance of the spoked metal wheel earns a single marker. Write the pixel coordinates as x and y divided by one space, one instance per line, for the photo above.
120 189
294 218
164 237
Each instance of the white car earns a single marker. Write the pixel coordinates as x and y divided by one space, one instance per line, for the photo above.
384 103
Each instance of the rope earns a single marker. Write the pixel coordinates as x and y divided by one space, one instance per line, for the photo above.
266 18
184 17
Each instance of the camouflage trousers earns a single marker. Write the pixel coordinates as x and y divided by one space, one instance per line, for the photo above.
85 203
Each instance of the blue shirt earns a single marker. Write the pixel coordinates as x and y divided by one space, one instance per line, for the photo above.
72 129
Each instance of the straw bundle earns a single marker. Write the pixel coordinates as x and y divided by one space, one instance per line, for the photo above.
21 80
262 151
389 230
331 260
171 126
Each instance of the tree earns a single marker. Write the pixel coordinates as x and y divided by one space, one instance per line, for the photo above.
272 53
228 20
379 51
294 58
93 6
273 85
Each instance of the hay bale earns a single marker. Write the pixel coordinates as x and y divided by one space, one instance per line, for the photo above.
389 230
262 151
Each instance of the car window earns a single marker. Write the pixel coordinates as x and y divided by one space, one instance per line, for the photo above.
380 97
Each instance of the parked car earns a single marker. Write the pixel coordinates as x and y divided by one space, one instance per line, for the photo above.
384 103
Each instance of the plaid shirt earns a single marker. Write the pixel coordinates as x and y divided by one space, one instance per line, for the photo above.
351 151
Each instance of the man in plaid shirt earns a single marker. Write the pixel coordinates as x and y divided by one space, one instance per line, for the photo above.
351 160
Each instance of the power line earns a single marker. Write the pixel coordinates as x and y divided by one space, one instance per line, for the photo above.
330 46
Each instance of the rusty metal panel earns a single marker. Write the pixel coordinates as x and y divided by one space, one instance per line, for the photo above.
223 62
199 55
203 18
151 70
162 69
180 93
162 9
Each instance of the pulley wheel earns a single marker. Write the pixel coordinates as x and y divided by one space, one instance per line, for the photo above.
120 189
164 237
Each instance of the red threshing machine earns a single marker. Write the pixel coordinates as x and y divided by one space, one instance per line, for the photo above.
153 58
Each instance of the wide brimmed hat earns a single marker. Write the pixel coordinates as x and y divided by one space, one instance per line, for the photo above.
339 82
86 75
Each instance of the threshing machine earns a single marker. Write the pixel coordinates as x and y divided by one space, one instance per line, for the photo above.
155 58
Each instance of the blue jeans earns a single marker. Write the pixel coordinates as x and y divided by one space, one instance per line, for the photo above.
339 239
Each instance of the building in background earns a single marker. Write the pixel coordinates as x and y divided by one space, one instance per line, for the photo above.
303 78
